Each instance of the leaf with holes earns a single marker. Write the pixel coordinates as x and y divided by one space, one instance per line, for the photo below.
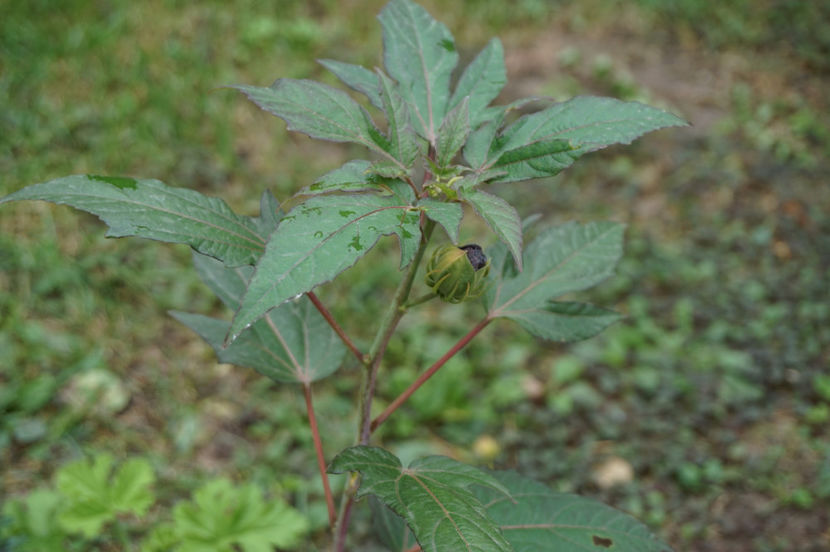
419 53
292 343
354 176
149 209
321 238
535 518
562 259
431 495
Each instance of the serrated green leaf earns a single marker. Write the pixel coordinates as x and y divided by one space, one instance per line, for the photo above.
537 159
477 150
539 519
270 213
564 321
94 495
317 110
318 240
162 538
229 284
281 346
356 77
354 176
403 143
453 133
130 486
390 528
482 81
431 495
447 214
30 523
150 209
501 217
560 260
223 518
419 53
389 170
586 123
293 343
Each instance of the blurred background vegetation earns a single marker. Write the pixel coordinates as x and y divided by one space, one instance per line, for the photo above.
705 413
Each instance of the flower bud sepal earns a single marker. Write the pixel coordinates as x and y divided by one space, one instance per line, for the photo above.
456 274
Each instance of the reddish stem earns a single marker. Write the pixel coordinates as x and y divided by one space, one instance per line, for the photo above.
429 373
321 461
415 548
336 327
344 524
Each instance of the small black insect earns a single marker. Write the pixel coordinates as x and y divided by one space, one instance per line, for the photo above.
476 256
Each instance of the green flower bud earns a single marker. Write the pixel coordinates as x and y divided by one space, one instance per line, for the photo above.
458 273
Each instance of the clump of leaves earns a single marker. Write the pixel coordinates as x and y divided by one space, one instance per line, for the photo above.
440 148
97 494
91 494
224 518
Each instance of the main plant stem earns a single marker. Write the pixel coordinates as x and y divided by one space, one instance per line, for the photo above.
387 328
367 389
373 359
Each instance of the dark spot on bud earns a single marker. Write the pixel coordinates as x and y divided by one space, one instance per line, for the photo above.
476 256
601 541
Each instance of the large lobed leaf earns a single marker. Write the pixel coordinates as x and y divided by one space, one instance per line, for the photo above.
292 343
535 518
224 517
150 209
561 260
419 53
431 495
95 494
390 528
318 240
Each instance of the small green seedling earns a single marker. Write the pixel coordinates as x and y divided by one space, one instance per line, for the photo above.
441 147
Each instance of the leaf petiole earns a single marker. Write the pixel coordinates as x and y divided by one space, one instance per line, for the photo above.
429 373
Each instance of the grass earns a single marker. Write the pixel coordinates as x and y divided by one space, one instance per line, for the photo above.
712 390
